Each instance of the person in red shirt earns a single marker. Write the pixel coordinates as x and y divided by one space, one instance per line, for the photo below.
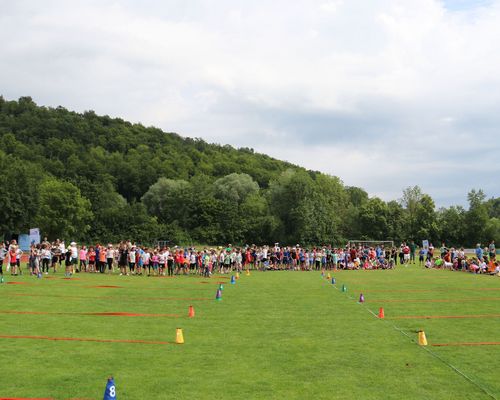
91 256
13 259
406 253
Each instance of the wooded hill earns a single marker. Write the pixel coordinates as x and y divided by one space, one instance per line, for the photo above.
87 177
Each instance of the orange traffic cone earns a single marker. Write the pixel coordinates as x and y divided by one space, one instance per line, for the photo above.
422 340
237 275
191 312
179 337
381 313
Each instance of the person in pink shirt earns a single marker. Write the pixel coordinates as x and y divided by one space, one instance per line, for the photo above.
82 257
155 261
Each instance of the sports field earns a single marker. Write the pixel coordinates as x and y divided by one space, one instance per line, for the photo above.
274 335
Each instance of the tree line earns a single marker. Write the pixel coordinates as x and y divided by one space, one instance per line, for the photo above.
96 178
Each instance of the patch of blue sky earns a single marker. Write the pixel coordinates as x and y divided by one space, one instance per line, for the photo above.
465 5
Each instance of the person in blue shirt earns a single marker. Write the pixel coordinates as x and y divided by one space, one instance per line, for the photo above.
479 252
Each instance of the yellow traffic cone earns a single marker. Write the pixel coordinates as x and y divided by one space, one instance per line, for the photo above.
179 337
422 340
247 273
328 277
237 275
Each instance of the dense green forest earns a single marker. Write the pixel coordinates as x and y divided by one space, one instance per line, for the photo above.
95 178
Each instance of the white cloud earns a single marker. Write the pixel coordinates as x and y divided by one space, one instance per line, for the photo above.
386 94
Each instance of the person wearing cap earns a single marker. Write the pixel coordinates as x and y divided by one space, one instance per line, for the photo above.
73 256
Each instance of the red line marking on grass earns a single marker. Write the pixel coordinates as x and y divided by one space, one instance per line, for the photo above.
126 314
80 398
71 279
106 287
25 398
164 288
83 339
178 298
103 314
424 290
467 344
445 316
434 300
110 297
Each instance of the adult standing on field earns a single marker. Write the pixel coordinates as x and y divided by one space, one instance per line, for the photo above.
443 250
110 256
492 250
479 252
3 255
413 249
430 252
122 258
74 256
406 253
13 257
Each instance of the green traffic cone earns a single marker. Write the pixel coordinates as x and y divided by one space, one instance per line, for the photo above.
2 280
344 288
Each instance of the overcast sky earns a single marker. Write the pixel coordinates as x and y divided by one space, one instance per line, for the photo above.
384 94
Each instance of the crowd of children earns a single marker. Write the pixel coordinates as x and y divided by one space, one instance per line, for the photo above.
128 258
484 260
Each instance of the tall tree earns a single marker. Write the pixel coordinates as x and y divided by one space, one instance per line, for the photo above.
19 194
410 201
63 212
452 225
476 217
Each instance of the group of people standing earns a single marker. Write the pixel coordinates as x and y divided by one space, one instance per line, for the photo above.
11 254
128 258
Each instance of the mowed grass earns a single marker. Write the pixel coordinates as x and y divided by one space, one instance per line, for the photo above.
274 335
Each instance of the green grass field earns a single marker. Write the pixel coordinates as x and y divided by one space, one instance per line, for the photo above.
275 335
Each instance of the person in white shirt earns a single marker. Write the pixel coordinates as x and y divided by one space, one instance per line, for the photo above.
46 255
110 257
162 260
3 255
131 260
74 256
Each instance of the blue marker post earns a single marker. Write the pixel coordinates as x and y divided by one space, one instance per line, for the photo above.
110 391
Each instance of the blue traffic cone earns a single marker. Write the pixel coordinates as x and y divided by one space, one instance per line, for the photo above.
110 391
39 275
218 295
333 281
233 281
